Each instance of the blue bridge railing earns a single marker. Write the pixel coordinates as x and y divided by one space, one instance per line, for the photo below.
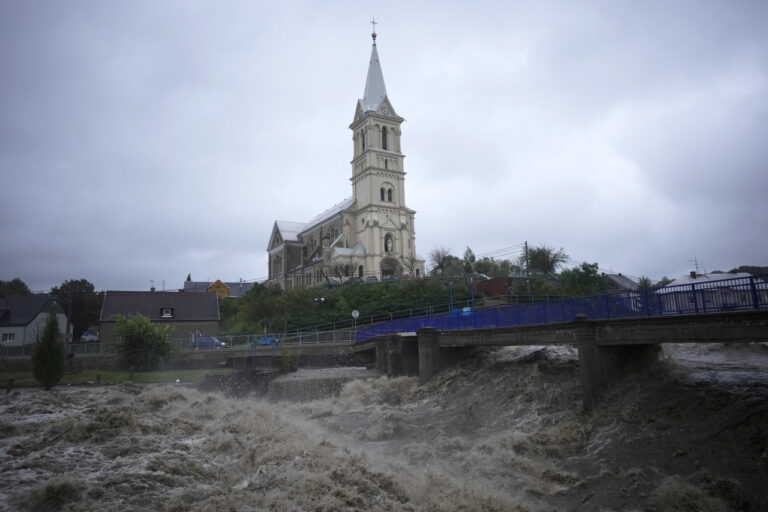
744 293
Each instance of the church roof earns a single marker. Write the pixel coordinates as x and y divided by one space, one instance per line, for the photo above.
356 250
375 91
327 214
290 230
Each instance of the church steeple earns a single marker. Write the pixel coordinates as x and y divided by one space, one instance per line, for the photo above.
375 91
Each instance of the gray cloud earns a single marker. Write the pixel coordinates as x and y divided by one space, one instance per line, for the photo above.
141 141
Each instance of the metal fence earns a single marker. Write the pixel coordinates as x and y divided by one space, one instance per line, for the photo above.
696 298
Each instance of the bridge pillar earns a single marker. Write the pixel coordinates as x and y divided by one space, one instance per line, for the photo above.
397 355
433 358
600 365
428 353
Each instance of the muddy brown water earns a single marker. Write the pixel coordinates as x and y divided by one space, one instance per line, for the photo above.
501 432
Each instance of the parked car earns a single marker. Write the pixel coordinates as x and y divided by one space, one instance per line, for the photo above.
206 342
354 279
371 279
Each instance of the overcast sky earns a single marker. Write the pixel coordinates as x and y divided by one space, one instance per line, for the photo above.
141 141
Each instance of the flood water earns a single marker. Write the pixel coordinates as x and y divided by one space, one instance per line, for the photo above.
501 432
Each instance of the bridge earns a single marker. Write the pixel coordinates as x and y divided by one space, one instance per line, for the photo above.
606 347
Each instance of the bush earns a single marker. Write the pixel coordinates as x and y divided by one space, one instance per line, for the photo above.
141 345
48 354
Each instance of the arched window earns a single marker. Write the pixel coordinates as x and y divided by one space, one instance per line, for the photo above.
382 193
389 195
360 271
346 270
362 140
386 163
384 138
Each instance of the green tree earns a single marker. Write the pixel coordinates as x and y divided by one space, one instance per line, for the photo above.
469 261
140 344
48 354
13 287
544 259
750 269
81 302
582 280
644 283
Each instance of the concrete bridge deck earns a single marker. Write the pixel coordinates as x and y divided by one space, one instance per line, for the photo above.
605 347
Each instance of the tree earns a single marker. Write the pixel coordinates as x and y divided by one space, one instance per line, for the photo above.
437 258
13 287
140 343
48 354
544 259
469 261
664 281
644 283
750 269
82 303
582 280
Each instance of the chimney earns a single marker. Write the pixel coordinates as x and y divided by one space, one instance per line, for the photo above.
693 274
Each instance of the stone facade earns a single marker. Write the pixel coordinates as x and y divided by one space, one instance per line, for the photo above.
369 235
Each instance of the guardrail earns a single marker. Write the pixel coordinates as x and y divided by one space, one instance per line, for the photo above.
695 298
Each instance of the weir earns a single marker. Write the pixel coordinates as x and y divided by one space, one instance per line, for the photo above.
606 348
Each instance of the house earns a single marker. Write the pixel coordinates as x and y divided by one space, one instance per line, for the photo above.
188 314
701 292
221 289
372 232
22 317
619 283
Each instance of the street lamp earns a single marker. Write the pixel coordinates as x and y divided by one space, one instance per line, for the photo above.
355 314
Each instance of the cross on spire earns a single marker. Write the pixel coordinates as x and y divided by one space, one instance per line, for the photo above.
373 33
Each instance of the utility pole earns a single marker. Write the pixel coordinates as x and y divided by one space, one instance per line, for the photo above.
527 276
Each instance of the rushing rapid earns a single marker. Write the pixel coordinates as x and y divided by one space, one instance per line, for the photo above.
504 431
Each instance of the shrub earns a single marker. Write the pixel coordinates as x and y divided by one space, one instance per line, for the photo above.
48 354
141 345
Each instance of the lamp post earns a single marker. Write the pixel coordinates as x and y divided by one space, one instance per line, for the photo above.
355 314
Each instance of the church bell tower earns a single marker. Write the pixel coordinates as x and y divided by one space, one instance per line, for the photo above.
384 224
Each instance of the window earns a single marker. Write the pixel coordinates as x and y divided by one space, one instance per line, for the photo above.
389 195
166 313
362 140
386 163
9 336
382 193
384 138
347 270
360 271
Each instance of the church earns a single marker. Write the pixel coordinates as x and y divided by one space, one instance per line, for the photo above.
370 235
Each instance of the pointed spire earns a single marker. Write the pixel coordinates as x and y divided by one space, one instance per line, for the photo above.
375 91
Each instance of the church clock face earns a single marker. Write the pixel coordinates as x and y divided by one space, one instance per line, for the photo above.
385 111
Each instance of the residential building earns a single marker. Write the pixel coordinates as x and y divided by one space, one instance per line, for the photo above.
698 292
188 314
22 318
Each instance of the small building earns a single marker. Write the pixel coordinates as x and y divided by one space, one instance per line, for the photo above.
22 318
220 288
188 314
699 292
619 283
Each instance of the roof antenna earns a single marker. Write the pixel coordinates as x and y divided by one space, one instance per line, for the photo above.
373 33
